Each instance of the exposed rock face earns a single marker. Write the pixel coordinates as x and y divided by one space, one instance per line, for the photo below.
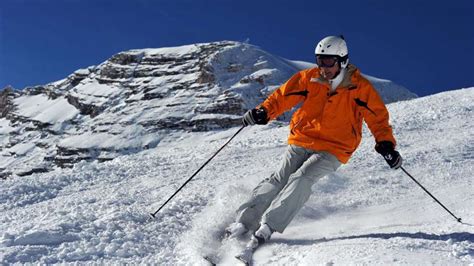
6 97
133 100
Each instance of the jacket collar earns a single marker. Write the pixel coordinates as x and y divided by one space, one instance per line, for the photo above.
346 81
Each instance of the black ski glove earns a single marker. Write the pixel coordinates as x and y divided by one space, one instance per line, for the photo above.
255 116
386 149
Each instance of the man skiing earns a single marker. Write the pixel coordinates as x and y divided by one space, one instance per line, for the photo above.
333 99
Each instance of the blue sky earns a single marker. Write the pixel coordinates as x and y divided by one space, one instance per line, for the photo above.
426 46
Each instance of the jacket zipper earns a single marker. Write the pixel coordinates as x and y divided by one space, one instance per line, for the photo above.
322 114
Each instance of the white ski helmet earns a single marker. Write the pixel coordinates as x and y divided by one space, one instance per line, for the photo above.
336 46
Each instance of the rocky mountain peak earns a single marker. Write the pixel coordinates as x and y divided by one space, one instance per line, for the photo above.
135 99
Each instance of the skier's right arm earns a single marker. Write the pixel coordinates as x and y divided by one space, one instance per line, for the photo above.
286 97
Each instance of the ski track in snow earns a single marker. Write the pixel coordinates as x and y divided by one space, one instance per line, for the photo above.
363 214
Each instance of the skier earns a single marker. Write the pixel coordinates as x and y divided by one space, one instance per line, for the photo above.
334 99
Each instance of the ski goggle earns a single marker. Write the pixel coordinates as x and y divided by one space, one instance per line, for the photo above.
326 61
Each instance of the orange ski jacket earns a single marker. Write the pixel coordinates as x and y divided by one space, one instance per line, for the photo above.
330 122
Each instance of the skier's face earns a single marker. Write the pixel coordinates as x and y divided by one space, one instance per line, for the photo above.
329 66
330 72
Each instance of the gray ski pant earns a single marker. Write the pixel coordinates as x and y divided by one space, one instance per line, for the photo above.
278 198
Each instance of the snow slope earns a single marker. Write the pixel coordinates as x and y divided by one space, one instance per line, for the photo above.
363 214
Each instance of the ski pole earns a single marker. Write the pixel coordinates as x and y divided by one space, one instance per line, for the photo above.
187 181
457 219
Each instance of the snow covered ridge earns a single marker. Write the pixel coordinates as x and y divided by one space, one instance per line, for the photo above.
131 101
364 214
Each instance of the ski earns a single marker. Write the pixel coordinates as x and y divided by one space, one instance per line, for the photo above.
214 258
227 248
245 256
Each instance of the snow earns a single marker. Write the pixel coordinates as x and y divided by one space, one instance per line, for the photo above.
41 108
214 116
263 72
82 72
363 214
95 93
131 139
96 89
5 127
302 64
170 51
22 148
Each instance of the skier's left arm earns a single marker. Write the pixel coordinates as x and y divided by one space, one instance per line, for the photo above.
376 116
